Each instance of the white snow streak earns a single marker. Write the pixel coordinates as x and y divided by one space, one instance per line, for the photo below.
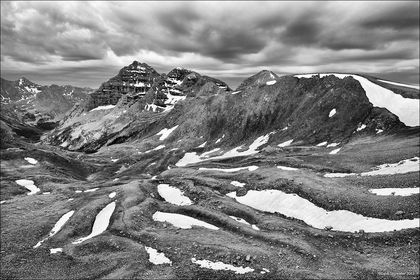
101 222
181 221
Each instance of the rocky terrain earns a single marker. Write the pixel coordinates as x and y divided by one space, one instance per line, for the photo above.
178 176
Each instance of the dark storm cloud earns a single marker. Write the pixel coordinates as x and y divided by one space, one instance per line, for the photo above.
396 17
233 38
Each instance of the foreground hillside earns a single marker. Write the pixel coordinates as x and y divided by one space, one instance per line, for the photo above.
283 178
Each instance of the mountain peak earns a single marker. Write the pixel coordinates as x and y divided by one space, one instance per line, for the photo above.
258 79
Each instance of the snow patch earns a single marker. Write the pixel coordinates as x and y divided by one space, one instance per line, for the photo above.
361 127
181 221
294 206
335 151
191 158
235 92
29 184
270 83
202 145
333 145
332 112
173 195
57 227
285 144
396 191
112 195
401 167
164 133
237 184
250 168
221 266
55 250
322 144
157 258
105 107
287 168
31 160
101 222
91 190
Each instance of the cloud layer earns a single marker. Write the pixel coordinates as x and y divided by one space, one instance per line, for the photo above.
85 43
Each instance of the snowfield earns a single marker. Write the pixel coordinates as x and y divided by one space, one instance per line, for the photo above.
407 109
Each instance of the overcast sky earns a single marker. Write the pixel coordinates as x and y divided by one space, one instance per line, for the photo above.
82 43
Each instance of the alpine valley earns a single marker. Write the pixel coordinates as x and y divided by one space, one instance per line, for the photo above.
179 176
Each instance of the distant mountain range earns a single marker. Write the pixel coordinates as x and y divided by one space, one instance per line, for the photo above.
29 108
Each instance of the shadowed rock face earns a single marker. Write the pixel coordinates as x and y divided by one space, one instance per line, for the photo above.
203 107
133 80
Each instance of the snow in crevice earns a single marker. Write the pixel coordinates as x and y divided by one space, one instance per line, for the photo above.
221 266
333 145
407 109
249 168
202 145
294 206
56 250
322 144
181 221
101 222
285 144
157 258
361 127
164 133
105 107
173 195
335 151
57 227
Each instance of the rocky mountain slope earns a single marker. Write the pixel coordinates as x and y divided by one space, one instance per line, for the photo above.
292 109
